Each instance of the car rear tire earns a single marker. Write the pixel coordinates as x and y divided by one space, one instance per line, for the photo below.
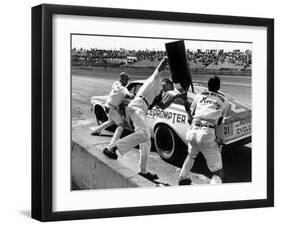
168 144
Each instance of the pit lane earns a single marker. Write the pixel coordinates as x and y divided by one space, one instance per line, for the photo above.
237 161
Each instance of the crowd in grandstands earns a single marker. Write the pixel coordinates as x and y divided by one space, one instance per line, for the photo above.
123 57
235 57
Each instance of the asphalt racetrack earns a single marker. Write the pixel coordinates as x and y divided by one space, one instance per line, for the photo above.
237 161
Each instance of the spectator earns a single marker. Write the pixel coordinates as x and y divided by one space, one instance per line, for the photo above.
106 57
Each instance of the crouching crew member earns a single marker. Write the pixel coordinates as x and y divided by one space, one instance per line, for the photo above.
117 94
208 109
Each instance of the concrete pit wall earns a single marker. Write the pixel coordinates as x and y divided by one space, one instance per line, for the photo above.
91 169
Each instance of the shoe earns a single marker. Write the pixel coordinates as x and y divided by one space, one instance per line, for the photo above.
216 180
110 152
149 176
95 133
186 181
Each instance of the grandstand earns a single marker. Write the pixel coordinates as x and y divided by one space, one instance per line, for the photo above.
235 60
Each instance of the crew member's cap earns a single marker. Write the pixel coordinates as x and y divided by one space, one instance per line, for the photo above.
124 75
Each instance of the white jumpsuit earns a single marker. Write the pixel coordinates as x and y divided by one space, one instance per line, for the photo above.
137 111
208 107
115 98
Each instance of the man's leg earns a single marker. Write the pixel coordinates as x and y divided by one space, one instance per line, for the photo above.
217 177
111 152
213 158
139 136
144 156
117 134
143 163
184 177
101 127
115 116
117 119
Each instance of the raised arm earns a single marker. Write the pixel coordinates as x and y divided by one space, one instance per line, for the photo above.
161 67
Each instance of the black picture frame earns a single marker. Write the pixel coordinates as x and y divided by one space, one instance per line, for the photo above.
42 107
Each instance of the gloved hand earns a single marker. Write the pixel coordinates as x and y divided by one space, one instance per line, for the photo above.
168 96
166 100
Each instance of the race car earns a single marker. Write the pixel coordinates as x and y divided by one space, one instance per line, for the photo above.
168 127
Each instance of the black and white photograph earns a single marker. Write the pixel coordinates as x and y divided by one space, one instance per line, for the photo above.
159 112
